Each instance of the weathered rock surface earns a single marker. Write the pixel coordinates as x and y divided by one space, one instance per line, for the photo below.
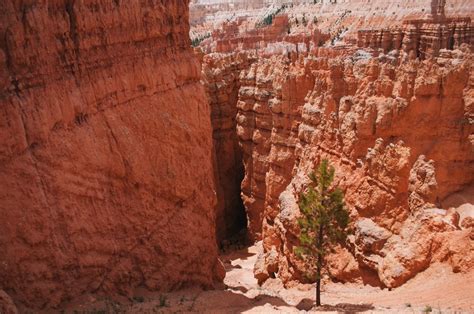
106 177
423 38
396 120
361 116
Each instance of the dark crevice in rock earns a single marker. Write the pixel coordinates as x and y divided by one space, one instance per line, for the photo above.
229 172
73 31
231 217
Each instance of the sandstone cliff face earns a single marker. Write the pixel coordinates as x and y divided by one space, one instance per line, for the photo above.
395 118
400 141
106 178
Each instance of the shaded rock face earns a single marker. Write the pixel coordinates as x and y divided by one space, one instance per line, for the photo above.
106 177
221 79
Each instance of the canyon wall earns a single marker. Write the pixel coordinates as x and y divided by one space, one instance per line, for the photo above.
393 114
106 176
399 136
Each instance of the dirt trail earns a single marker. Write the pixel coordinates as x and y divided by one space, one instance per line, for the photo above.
437 288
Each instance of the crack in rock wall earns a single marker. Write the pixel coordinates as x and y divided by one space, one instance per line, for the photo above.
221 80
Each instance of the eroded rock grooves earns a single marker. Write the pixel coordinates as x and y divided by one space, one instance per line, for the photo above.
106 177
384 90
222 87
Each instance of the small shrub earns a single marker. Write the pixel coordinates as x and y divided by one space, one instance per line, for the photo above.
428 309
198 40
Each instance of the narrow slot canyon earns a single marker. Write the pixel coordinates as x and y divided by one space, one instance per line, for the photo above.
231 219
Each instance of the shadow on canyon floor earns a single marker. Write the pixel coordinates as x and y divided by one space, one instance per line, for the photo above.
214 301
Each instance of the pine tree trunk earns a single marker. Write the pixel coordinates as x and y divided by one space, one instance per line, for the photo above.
319 266
318 292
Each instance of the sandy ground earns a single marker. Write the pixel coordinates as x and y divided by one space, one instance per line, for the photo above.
437 289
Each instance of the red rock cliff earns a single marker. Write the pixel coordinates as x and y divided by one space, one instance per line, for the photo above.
399 135
105 157
393 114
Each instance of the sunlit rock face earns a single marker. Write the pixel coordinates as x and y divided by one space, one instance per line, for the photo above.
106 176
384 91
360 115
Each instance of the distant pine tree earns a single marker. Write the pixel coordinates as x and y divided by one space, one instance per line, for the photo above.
324 221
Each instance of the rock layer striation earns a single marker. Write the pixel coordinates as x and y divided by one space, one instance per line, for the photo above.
106 176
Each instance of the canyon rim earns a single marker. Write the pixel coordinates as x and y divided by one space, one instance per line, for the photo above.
141 141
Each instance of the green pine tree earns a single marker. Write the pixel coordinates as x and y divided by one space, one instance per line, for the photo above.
324 221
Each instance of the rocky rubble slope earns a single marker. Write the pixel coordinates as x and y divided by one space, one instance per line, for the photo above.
106 176
396 121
